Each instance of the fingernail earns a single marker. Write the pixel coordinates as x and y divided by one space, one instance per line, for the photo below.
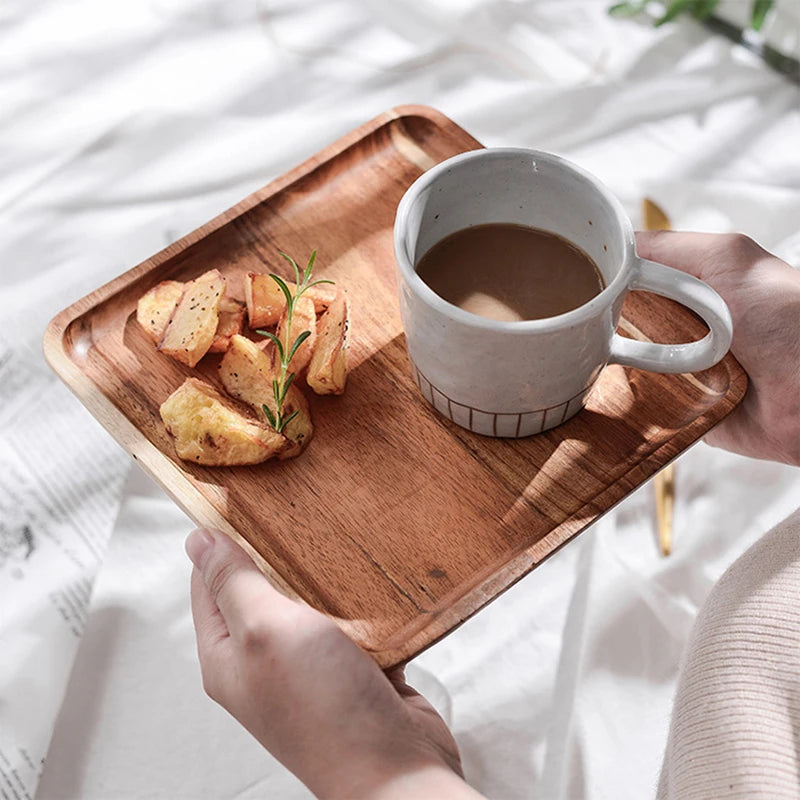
198 544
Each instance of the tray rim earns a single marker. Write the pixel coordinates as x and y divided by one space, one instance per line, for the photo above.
178 486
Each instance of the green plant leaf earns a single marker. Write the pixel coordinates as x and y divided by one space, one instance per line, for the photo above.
704 8
760 10
306 286
283 287
700 9
289 419
294 266
309 267
297 342
270 335
270 416
674 9
286 385
628 9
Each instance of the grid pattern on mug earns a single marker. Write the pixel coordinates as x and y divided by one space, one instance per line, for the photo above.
497 423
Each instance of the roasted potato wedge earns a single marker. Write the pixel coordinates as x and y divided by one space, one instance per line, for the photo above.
304 318
214 430
327 370
264 299
154 309
231 322
246 372
266 302
193 324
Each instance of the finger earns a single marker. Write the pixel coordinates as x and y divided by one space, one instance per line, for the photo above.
684 251
397 677
414 700
712 257
213 640
234 583
209 623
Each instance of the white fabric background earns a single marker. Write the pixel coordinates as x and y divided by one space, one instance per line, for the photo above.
126 124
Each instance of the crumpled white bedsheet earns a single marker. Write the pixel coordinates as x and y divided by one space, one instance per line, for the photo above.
128 124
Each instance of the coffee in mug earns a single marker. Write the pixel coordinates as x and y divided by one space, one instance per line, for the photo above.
511 272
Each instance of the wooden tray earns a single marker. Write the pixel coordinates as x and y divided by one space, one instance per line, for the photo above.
395 522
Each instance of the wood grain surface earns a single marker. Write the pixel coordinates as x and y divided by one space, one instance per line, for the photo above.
395 522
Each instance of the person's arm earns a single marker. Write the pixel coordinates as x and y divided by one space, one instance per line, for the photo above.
763 295
310 695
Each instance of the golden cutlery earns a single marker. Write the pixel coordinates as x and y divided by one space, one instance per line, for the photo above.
664 482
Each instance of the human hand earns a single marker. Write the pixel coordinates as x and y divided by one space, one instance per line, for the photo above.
307 693
763 295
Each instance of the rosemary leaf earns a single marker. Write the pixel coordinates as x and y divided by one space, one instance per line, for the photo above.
270 415
309 266
289 379
283 287
289 419
294 266
272 337
297 342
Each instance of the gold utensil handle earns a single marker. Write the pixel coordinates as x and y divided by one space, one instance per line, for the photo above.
664 483
665 506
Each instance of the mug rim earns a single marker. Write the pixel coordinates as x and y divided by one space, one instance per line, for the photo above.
574 316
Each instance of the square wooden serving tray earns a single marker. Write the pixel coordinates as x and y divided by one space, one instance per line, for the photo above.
395 522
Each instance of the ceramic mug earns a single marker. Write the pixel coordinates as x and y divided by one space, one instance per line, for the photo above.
514 379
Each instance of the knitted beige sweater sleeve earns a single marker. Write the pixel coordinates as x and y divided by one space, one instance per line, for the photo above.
735 729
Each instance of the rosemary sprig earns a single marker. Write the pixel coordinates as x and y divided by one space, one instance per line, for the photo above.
281 383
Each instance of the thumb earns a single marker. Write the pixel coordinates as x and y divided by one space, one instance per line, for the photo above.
235 584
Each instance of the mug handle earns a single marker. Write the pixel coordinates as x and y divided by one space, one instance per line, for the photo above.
650 276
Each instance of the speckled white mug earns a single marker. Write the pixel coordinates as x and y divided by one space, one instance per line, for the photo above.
515 379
